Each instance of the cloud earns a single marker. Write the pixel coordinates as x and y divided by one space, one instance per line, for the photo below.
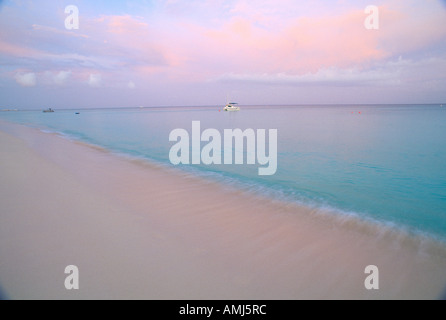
126 41
95 80
295 45
131 85
17 50
61 77
182 44
388 73
237 37
26 79
411 28
330 76
52 30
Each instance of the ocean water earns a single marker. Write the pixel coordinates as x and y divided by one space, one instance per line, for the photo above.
386 163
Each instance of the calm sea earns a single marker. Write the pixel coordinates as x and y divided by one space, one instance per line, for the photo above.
386 163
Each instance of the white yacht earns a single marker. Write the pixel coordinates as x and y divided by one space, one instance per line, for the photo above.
232 106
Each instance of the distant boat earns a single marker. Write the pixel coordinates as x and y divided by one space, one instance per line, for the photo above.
48 110
231 106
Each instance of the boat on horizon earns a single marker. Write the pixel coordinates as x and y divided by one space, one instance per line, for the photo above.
231 106
48 110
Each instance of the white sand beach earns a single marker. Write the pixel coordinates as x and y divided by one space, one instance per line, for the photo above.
139 231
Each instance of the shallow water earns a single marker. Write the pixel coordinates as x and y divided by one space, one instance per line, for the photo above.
385 163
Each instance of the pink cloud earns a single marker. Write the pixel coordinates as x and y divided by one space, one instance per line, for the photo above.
11 49
129 40
406 28
124 24
264 37
305 44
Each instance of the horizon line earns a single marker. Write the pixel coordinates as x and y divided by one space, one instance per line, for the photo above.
214 105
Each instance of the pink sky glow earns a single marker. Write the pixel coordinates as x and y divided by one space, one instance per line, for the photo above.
154 53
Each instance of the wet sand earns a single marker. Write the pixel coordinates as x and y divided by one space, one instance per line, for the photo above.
140 231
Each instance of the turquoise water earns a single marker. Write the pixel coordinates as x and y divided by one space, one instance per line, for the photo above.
386 163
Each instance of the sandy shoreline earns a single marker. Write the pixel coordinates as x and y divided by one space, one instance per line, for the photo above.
142 232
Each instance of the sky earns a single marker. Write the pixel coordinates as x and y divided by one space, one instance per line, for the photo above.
255 52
